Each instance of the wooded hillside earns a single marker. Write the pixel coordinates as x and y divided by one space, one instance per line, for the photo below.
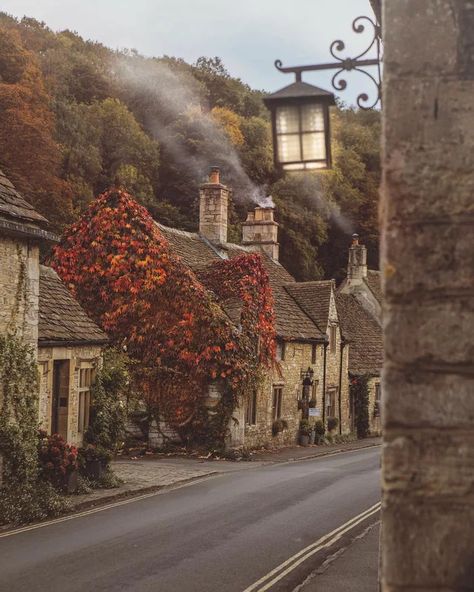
77 117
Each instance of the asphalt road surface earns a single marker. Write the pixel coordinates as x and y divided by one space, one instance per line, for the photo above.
251 530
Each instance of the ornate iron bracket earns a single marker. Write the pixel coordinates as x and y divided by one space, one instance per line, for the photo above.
347 64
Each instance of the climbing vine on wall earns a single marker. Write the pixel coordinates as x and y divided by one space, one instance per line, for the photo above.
360 395
23 496
123 271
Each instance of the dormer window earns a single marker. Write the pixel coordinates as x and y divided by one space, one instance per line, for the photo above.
280 351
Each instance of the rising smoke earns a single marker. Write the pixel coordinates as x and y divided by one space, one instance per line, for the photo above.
172 95
169 94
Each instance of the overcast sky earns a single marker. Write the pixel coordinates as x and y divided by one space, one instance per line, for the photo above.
247 34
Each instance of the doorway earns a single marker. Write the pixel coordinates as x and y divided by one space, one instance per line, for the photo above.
60 403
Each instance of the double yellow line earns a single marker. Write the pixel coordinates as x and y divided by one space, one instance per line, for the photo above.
324 542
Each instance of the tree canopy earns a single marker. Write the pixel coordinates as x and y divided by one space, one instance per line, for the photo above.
78 117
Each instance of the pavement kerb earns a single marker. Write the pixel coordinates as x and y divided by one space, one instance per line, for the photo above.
318 454
86 505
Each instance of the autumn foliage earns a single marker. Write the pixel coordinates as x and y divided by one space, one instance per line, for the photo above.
172 323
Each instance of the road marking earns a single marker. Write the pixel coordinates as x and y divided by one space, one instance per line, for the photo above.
325 541
100 508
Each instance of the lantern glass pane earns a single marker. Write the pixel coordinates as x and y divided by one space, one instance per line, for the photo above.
314 146
312 118
289 148
287 120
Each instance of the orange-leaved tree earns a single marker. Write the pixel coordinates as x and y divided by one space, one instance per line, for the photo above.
123 271
28 153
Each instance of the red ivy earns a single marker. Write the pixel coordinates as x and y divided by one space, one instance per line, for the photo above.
124 273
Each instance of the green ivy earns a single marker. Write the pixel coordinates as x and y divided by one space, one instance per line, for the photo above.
109 392
360 395
23 496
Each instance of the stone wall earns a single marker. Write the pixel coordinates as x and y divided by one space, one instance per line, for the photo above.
427 264
375 424
77 356
298 357
19 302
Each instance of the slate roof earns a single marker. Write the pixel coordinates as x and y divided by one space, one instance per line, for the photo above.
314 298
197 252
363 333
12 204
374 281
61 318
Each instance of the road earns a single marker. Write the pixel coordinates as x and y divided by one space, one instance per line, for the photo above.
221 534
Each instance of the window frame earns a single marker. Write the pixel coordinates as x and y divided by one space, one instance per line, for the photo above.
277 401
84 397
251 410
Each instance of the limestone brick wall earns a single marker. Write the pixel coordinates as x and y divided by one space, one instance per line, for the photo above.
298 357
77 356
427 265
19 303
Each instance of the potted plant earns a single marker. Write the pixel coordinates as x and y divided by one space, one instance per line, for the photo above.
57 461
305 431
94 461
278 426
319 431
333 422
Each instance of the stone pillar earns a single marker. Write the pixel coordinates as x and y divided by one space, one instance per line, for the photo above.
428 267
261 231
213 208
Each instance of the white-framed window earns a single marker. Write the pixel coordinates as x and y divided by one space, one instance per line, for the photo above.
331 396
86 378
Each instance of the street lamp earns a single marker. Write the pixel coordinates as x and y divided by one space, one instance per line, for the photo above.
300 125
300 111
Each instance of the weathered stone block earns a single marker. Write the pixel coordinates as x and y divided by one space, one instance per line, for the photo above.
427 546
429 464
433 334
415 399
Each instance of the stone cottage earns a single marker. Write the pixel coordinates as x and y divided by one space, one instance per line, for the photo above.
311 374
38 307
359 302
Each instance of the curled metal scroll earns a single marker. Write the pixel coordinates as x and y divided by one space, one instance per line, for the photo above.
347 64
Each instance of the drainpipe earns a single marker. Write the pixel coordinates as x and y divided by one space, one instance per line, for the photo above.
326 343
343 343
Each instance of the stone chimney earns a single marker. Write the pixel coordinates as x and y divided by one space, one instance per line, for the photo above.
357 266
213 208
261 231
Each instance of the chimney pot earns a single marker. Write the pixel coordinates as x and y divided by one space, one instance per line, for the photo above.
355 239
214 175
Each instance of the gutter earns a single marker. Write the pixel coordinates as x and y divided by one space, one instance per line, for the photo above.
326 344
16 229
343 344
72 343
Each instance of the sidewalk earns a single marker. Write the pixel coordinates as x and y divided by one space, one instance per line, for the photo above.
353 570
292 453
153 473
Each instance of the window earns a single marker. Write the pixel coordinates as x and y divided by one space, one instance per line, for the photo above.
301 137
86 378
280 350
314 351
331 396
277 401
251 410
332 338
378 399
